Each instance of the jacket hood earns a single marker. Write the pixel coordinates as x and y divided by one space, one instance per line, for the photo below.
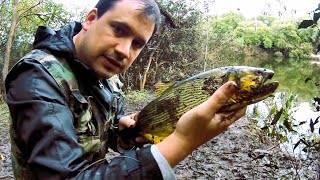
59 42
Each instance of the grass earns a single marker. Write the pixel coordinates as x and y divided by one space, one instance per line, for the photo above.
138 96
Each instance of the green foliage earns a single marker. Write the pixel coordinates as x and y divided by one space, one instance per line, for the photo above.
279 123
306 35
267 43
315 35
278 36
278 56
252 38
138 96
280 41
282 127
32 13
225 24
281 118
294 54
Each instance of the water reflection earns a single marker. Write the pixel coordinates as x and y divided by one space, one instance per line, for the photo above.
297 77
300 114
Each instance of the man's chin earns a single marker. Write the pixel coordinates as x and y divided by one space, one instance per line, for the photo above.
105 75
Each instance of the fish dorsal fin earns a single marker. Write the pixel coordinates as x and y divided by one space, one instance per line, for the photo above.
160 87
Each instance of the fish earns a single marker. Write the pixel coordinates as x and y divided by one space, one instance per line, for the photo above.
158 119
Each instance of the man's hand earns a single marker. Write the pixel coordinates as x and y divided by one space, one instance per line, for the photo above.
125 141
127 121
200 125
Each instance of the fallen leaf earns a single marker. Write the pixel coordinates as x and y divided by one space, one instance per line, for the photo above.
2 157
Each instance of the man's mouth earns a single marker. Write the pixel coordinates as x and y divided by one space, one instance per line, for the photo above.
115 64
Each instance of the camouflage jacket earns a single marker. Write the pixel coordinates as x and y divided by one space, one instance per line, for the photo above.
63 119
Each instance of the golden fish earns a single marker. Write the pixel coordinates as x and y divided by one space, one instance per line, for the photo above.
158 119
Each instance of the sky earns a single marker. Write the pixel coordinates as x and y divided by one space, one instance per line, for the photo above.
79 3
249 8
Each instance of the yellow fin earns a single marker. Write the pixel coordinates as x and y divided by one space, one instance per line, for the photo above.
160 87
152 138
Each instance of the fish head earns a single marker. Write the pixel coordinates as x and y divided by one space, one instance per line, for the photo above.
252 85
249 78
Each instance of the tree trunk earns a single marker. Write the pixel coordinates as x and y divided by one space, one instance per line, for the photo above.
13 27
146 71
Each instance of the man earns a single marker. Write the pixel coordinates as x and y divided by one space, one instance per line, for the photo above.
66 114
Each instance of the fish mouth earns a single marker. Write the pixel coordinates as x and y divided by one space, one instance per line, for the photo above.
267 75
244 98
264 90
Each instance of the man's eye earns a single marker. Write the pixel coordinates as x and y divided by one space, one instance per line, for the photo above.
118 31
138 44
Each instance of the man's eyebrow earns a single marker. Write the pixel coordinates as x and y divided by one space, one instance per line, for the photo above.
130 30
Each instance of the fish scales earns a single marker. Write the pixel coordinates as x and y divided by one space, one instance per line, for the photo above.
177 101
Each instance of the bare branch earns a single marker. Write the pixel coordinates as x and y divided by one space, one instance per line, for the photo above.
29 9
39 15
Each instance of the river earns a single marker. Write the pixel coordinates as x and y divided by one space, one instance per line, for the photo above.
299 84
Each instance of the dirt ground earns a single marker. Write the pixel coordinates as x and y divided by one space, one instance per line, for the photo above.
238 153
5 160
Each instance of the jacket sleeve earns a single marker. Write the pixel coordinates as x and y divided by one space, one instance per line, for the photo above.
42 128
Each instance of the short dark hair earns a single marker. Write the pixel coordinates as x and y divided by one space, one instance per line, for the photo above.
149 7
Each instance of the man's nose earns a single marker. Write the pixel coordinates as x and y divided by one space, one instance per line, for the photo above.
123 48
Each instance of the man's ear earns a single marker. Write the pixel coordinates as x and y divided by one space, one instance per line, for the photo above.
90 18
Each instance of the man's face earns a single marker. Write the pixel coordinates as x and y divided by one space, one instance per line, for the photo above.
110 44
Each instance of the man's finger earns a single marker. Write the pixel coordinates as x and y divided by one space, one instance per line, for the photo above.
229 118
219 98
